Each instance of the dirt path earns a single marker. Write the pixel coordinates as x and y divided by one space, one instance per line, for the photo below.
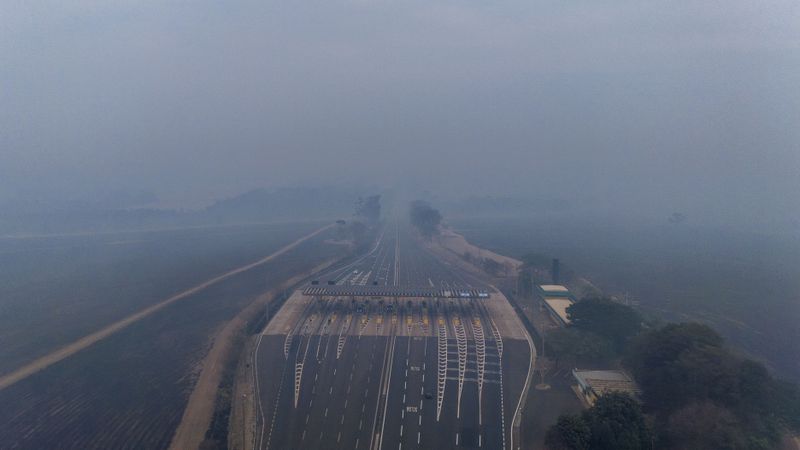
200 408
88 340
457 244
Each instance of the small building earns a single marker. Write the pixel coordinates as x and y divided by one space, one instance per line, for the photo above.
554 290
556 299
594 383
557 307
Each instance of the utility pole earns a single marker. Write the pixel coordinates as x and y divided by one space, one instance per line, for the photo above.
555 271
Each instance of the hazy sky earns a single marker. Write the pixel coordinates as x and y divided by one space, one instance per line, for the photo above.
674 105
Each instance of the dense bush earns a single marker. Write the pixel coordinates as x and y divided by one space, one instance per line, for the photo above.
698 393
614 321
615 422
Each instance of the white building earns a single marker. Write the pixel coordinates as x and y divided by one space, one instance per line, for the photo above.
556 299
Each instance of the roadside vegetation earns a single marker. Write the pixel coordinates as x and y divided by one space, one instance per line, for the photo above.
615 422
425 218
743 285
369 208
599 333
696 393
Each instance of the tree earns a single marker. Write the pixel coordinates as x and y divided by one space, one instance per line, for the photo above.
525 283
681 365
654 361
615 422
609 319
784 401
532 259
577 345
369 208
425 218
569 433
703 425
677 218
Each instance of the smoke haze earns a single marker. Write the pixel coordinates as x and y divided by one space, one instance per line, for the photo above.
626 107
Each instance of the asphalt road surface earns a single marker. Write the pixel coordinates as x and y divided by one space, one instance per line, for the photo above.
397 259
390 373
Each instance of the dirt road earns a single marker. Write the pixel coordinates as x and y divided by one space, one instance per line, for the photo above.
200 408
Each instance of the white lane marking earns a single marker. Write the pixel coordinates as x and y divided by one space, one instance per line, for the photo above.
441 366
461 341
386 371
517 414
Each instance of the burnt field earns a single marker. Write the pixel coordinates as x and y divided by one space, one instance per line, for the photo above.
54 290
129 390
746 286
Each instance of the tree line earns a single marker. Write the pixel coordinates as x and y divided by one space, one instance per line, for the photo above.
425 218
696 392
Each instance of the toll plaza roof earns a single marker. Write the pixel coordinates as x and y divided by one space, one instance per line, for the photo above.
605 381
554 290
551 288
393 291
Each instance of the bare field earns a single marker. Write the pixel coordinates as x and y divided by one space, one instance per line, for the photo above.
55 290
130 389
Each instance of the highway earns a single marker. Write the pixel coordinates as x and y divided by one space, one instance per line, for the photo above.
346 372
397 259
